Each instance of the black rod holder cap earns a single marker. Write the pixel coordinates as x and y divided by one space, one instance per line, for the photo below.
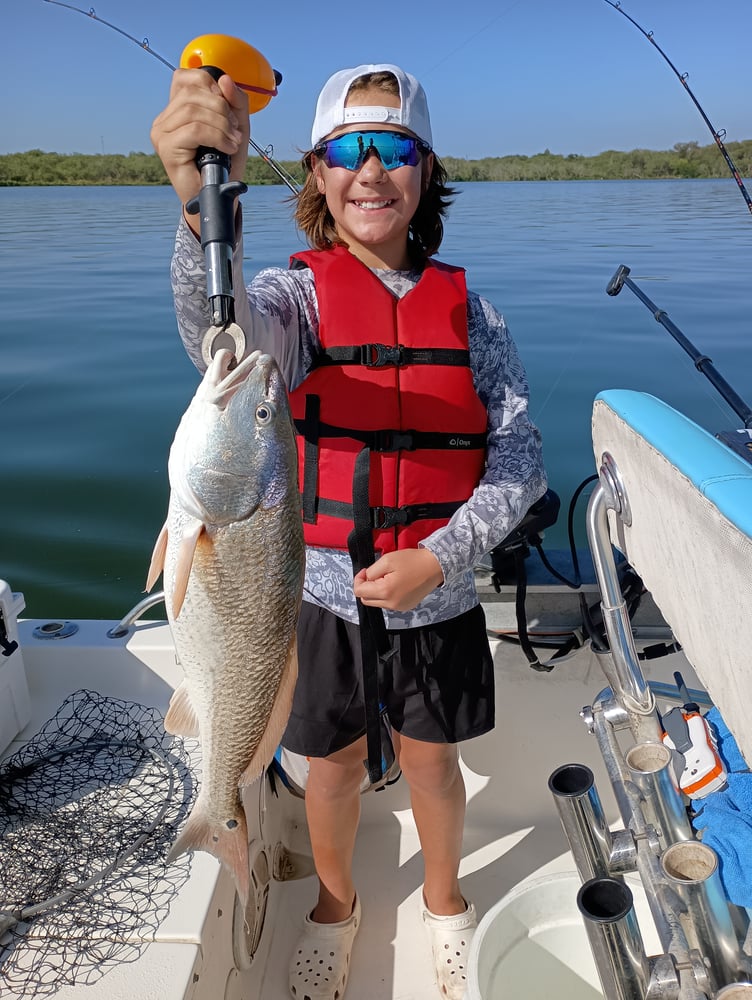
616 284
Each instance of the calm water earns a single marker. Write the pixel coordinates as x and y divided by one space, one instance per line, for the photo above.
93 378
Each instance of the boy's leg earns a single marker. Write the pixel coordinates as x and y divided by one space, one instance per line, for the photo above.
333 811
437 793
438 799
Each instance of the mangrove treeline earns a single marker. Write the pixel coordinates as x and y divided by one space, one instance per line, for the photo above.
686 159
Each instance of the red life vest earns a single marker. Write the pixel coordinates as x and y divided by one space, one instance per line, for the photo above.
391 433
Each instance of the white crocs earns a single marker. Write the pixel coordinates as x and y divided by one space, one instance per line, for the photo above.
450 944
321 961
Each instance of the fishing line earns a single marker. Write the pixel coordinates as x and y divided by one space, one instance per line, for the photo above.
572 354
475 34
682 77
265 152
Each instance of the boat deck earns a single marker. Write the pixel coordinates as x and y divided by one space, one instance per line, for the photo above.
512 831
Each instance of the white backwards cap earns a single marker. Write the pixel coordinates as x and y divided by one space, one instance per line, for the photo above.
331 112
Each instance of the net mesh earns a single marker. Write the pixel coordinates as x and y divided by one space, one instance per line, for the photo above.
88 811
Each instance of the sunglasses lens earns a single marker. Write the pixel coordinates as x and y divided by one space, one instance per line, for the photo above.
350 150
345 151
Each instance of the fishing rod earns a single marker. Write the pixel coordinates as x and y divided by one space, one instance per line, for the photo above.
701 361
682 77
266 153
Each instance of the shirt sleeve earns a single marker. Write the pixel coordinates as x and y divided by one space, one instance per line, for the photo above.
278 312
514 477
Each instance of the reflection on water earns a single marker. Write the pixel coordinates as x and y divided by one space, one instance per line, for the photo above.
93 378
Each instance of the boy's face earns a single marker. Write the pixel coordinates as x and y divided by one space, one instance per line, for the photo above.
372 207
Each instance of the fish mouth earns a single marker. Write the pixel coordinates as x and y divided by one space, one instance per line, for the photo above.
225 377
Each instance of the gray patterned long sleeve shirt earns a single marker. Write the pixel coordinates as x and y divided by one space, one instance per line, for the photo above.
279 315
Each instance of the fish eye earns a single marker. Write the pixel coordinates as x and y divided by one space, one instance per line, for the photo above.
265 413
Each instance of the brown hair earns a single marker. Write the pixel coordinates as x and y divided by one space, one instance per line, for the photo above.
426 227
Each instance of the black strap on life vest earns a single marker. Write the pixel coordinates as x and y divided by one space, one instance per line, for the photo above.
310 458
312 429
381 355
386 439
388 517
374 640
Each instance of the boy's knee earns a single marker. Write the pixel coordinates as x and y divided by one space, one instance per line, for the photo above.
432 768
339 775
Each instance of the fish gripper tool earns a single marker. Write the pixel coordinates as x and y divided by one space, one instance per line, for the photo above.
230 335
215 206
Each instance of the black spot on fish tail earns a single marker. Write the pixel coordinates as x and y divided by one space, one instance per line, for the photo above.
228 844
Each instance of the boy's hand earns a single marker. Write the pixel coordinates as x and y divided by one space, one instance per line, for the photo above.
201 112
399 580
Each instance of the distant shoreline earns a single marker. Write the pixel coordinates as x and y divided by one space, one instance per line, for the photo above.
686 160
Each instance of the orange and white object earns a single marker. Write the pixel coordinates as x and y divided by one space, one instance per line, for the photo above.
704 771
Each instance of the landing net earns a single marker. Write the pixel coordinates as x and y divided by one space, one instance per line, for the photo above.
88 811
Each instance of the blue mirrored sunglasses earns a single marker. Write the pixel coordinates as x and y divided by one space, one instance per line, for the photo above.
351 149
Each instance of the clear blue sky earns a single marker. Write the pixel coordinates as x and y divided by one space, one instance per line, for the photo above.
502 76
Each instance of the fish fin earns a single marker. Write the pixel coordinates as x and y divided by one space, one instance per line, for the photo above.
186 550
229 844
157 558
280 713
181 718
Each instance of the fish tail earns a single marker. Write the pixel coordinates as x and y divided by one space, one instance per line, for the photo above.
228 842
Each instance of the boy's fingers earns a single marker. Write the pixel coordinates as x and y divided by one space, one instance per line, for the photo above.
235 97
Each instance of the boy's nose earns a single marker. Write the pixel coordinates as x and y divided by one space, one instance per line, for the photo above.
372 166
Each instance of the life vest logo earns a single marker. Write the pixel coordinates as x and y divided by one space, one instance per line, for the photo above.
458 442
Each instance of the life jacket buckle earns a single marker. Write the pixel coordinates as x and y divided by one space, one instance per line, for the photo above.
389 440
379 355
389 517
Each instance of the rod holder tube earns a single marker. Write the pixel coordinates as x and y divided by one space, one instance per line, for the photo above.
667 923
615 939
737 991
691 869
650 767
583 819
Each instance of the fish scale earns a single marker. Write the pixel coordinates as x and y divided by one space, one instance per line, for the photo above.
253 639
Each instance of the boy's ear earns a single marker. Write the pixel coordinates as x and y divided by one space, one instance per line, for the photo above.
319 179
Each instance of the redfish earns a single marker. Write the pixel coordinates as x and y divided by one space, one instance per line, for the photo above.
232 557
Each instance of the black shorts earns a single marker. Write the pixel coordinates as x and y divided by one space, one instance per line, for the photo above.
438 686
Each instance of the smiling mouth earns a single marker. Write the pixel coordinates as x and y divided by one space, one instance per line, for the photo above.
371 205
